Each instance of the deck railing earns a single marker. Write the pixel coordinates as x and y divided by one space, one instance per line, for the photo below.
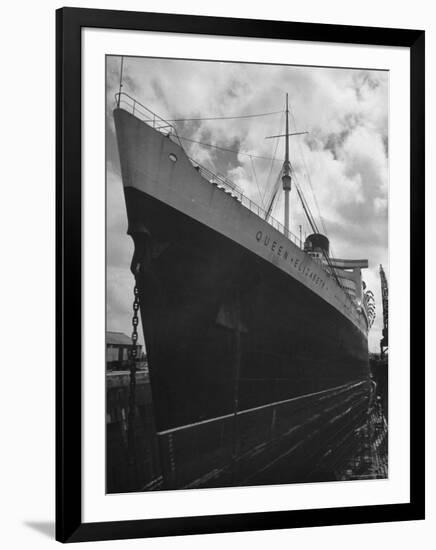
232 189
127 102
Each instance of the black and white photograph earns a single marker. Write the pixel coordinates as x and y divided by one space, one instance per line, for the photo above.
218 296
247 270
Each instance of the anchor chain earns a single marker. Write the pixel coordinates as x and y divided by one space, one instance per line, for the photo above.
133 356
135 321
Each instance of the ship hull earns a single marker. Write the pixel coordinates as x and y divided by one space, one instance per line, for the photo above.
221 324
256 357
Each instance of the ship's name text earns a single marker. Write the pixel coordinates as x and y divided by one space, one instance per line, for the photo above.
280 250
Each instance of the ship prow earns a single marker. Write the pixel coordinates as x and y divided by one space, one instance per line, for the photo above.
240 317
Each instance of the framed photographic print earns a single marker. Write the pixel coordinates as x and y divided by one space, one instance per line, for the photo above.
240 319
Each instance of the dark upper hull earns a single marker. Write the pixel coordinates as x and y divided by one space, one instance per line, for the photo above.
222 324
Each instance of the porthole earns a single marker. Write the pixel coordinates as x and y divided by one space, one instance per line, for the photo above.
172 157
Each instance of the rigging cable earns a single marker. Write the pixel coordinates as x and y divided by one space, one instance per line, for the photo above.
304 202
275 188
309 213
246 153
258 115
308 176
275 191
257 182
315 230
305 206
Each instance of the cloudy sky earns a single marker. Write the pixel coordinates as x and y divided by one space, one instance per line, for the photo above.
341 164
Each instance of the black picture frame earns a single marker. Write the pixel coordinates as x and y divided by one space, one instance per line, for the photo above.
69 23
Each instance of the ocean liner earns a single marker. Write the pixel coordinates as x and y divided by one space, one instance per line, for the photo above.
256 342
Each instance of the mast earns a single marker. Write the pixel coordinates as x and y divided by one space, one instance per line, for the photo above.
286 170
286 178
121 80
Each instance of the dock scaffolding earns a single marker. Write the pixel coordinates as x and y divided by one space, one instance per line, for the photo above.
371 457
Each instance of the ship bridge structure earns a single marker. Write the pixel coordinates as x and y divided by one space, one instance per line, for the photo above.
350 275
347 272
